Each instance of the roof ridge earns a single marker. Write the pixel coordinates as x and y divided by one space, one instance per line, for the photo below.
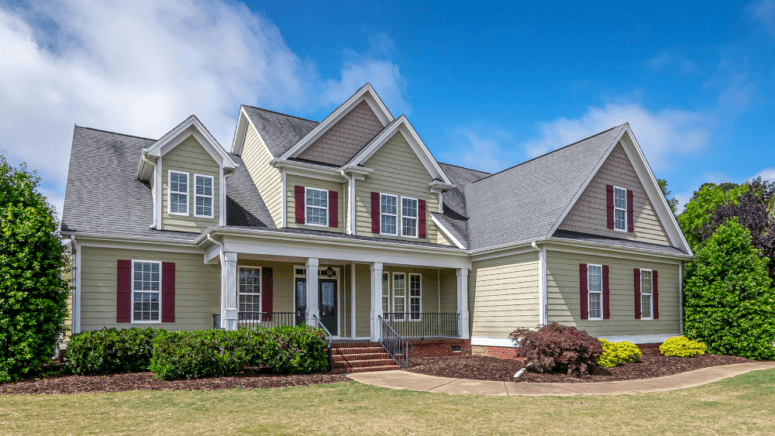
115 133
462 167
280 113
548 153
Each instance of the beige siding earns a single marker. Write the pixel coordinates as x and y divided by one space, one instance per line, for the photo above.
589 214
362 300
345 138
448 289
282 283
197 288
266 178
292 181
189 157
397 171
564 295
443 239
503 295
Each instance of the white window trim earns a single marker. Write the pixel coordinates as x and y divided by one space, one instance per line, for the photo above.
386 292
409 296
393 300
397 214
260 292
306 205
132 307
618 208
589 293
416 218
211 197
170 192
651 296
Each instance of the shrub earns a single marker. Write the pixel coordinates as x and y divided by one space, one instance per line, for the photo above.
557 348
288 350
33 290
616 353
729 304
110 351
681 346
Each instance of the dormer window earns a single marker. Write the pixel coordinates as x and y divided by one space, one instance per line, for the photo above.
203 196
178 196
620 209
317 207
409 217
388 214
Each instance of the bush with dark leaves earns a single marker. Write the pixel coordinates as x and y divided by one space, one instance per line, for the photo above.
556 348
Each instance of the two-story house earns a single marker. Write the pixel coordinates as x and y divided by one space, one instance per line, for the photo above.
351 223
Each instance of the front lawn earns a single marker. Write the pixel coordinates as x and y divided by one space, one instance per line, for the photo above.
739 405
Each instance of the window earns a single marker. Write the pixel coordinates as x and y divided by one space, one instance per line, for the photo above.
415 297
399 295
645 294
408 217
620 209
203 196
146 291
178 187
249 291
317 207
388 214
595 291
385 293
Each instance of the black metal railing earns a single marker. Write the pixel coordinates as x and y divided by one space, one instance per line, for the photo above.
397 347
249 320
425 325
329 340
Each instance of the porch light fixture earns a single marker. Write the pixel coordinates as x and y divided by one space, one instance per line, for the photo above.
329 272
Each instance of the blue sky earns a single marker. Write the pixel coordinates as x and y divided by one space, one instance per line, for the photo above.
486 86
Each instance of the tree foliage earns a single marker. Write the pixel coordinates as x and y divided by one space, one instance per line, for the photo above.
33 291
697 214
672 202
730 304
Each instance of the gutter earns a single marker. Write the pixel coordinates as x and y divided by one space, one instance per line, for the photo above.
153 165
543 314
220 244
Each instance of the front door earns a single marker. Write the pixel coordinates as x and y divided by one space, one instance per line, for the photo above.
328 306
301 300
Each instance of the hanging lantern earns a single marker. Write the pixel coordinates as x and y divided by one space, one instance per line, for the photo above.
329 272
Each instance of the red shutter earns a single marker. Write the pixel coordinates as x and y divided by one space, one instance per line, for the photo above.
606 294
583 291
630 212
267 292
655 291
637 293
421 215
333 209
375 212
610 205
124 291
167 292
299 193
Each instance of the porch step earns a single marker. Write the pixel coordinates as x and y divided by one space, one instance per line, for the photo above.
355 344
351 357
358 350
364 363
360 356
366 369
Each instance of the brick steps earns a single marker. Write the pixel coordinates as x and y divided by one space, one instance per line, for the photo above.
350 357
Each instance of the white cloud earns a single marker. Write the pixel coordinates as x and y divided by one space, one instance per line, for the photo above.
479 148
661 134
141 67
765 174
673 61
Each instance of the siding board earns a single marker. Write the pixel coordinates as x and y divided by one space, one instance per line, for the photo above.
267 179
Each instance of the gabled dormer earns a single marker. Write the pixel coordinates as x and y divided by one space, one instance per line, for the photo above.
186 170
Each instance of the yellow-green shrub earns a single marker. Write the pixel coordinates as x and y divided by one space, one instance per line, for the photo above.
681 346
616 353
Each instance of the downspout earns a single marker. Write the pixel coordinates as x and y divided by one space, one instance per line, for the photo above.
74 318
145 159
220 244
542 297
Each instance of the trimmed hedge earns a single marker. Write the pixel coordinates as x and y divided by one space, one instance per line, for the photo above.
110 351
616 353
214 353
681 346
557 348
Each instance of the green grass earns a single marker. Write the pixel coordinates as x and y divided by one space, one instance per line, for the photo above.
743 404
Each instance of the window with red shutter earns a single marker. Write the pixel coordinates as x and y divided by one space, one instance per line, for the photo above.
422 225
583 290
606 294
610 205
375 212
267 293
637 293
333 209
124 291
655 292
168 292
299 206
630 212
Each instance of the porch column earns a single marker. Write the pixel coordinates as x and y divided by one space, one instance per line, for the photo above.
462 301
376 299
312 289
229 291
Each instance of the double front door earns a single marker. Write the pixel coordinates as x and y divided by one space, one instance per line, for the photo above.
327 303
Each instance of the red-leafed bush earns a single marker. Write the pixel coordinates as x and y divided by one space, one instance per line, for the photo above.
555 348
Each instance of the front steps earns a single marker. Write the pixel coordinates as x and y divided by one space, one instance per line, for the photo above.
351 357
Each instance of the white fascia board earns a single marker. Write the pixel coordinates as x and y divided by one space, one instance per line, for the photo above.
175 136
136 243
557 244
365 93
447 232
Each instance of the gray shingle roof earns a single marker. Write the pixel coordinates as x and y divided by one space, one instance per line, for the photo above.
279 131
616 242
244 205
455 217
524 202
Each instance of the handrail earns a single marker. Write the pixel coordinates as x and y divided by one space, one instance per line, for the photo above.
395 345
329 340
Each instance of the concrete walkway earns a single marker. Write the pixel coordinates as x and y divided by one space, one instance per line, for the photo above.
428 383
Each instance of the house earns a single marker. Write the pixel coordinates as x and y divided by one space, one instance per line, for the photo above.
351 223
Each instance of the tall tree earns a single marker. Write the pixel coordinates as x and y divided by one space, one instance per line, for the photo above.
672 202
702 205
33 291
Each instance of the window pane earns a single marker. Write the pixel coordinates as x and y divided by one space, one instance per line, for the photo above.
409 207
619 219
317 198
595 306
389 205
595 278
388 224
385 292
399 285
645 282
204 206
398 306
645 310
415 285
204 186
316 216
409 226
620 198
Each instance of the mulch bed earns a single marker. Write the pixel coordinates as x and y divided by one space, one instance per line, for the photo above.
490 368
80 384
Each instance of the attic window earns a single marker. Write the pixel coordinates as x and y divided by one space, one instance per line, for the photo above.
178 195
620 209
317 207
203 196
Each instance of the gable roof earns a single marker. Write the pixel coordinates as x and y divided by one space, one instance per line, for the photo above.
202 135
454 218
524 202
279 132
